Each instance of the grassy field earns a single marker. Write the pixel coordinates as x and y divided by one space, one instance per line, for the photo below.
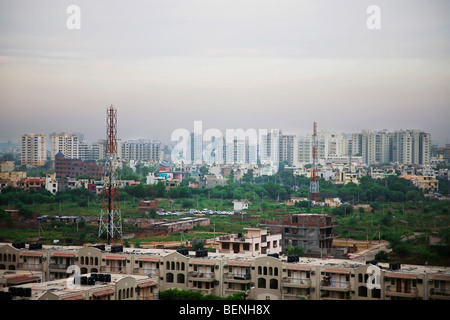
387 221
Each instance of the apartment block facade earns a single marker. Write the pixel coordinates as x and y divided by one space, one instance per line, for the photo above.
34 150
141 151
261 276
66 144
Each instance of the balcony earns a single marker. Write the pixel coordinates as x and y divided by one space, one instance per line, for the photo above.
201 276
151 296
27 266
295 296
229 277
58 267
327 236
202 290
110 269
296 283
393 291
142 271
335 286
440 294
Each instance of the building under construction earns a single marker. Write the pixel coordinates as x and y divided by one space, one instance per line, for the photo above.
314 232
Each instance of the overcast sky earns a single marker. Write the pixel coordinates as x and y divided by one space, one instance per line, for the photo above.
258 64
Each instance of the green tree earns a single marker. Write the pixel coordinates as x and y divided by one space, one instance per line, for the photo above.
160 189
300 251
382 256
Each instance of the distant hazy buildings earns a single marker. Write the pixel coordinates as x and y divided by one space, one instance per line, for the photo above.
268 147
142 150
34 149
401 146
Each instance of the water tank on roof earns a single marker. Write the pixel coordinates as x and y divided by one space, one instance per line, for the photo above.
19 245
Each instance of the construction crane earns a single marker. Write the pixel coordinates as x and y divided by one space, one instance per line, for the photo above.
110 215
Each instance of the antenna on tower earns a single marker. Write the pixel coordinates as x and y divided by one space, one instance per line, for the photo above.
314 184
110 215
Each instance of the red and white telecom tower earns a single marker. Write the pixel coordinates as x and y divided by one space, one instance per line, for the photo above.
314 184
110 215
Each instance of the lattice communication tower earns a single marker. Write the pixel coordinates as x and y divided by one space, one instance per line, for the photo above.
110 215
314 183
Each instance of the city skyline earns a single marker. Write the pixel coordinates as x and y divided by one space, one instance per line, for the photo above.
254 64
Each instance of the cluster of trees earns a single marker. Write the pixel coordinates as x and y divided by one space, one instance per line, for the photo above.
178 294
285 185
281 186
18 197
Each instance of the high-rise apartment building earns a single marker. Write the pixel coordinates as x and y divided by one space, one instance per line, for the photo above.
328 144
142 150
34 149
66 144
375 147
410 147
287 148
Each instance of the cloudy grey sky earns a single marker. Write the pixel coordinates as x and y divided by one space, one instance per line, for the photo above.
229 63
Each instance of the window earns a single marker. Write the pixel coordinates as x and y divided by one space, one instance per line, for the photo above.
362 291
376 293
261 283
169 277
273 284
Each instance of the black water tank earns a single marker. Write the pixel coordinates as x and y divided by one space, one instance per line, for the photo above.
5 295
27 292
275 255
20 291
293 258
35 246
19 245
91 281
116 249
183 251
394 266
107 277
201 253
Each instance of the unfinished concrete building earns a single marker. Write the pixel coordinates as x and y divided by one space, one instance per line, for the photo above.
314 232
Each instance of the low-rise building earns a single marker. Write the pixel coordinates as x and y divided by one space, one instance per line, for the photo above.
255 241
314 232
239 205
